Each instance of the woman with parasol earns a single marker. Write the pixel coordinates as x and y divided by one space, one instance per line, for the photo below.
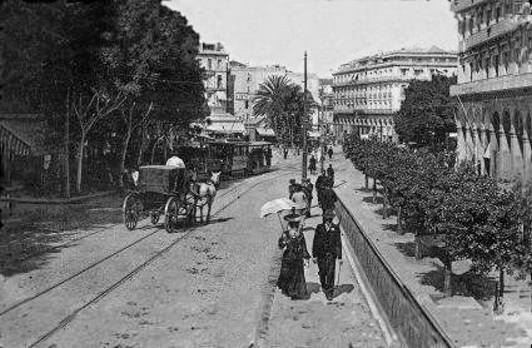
295 258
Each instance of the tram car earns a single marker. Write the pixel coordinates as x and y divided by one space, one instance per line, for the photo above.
232 158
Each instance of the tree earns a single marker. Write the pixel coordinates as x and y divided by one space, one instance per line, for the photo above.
426 116
58 70
282 102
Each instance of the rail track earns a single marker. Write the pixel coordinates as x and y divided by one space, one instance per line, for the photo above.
109 289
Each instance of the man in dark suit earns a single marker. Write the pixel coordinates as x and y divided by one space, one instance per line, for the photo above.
308 187
328 199
321 183
326 248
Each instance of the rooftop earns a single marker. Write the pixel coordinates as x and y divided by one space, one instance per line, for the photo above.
381 57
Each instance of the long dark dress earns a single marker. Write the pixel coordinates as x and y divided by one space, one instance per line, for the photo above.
292 278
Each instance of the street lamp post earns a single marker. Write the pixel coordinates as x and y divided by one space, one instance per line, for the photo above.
304 124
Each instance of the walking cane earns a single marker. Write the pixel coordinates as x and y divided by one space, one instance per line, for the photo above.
339 271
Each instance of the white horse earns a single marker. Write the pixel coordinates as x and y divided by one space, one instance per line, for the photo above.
206 191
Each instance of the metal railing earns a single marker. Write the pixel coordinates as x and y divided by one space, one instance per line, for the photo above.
414 325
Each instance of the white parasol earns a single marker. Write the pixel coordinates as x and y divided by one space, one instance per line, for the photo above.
276 206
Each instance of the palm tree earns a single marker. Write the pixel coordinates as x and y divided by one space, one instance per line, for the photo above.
281 101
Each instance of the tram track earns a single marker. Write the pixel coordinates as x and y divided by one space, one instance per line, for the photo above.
109 289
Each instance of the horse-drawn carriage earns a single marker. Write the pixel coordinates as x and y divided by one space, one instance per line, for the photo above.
160 190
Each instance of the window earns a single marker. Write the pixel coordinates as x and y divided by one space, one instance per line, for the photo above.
220 64
209 64
418 72
219 81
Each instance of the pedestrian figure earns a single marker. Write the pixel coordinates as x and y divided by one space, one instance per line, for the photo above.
330 152
321 182
312 165
285 153
330 174
308 187
328 199
300 199
326 248
295 258
291 188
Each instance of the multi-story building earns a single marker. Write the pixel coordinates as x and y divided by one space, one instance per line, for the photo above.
247 79
494 89
368 91
215 61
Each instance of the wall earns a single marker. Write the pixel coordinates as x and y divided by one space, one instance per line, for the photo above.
409 319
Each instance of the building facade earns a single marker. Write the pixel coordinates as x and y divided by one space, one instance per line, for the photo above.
247 79
494 89
368 91
215 61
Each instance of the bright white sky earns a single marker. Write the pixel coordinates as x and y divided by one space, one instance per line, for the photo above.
261 32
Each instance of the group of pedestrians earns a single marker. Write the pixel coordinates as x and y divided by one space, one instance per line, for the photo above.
312 166
326 245
326 249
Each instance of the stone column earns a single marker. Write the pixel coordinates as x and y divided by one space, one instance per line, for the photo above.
504 156
517 157
460 143
527 157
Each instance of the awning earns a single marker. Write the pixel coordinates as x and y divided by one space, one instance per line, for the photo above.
265 132
22 135
227 128
314 134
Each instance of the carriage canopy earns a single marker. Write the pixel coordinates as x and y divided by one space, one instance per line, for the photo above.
161 179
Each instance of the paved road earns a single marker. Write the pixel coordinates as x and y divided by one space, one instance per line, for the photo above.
207 290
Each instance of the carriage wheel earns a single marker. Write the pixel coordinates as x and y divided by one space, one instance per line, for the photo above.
130 211
171 214
155 218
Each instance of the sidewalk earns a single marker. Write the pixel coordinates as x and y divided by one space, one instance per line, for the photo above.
468 322
344 322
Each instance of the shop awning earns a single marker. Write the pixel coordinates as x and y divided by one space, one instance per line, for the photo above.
22 135
265 132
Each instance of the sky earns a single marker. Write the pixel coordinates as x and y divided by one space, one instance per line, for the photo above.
333 32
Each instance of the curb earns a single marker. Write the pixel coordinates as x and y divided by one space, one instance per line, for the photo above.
58 200
376 310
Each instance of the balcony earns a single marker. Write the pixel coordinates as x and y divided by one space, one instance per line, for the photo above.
362 111
507 25
502 83
462 5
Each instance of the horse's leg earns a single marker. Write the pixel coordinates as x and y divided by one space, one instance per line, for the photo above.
209 209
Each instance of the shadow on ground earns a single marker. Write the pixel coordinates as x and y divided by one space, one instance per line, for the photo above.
469 284
343 289
408 248
27 243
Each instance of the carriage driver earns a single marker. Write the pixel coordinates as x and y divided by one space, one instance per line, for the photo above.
190 181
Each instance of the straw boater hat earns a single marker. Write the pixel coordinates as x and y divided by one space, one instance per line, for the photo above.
294 217
329 214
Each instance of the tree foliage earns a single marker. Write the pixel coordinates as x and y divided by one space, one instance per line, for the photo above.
282 102
476 217
426 116
111 65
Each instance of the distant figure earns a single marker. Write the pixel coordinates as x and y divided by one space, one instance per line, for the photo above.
321 183
308 187
312 165
176 162
330 174
285 153
330 152
291 188
328 199
300 199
